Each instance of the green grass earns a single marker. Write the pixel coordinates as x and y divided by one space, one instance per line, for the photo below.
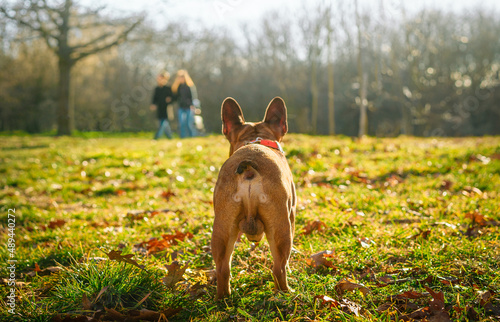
397 214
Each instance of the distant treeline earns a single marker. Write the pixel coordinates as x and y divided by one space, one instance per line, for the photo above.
430 73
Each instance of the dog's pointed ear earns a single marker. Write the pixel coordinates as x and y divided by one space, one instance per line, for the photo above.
276 117
231 115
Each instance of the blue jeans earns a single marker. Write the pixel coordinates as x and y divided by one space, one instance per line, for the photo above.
185 122
164 127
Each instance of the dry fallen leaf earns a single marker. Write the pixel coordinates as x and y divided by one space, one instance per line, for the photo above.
175 272
120 192
485 300
155 245
423 234
344 305
480 219
347 285
53 224
68 318
446 185
409 295
45 271
312 226
436 307
168 194
116 255
320 259
87 305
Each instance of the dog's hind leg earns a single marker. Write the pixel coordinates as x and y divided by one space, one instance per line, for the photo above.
280 242
222 249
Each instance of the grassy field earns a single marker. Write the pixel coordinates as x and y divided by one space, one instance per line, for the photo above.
119 229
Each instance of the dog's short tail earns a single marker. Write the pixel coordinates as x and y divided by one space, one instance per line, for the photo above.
251 225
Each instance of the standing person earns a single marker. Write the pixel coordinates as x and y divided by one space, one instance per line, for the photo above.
182 91
161 97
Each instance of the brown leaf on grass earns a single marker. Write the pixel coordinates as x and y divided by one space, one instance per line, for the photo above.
53 224
312 226
400 306
446 185
423 234
45 271
413 295
139 215
140 315
437 310
485 300
471 314
393 180
155 245
68 318
143 315
448 280
87 305
485 297
114 315
168 194
347 285
481 220
326 300
428 280
175 272
120 192
437 302
320 259
419 314
102 224
345 305
116 255
197 290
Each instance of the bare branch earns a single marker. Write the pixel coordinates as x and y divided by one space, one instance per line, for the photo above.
119 39
45 34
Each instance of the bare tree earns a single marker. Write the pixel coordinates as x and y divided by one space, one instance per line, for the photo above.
312 27
363 78
58 24
331 82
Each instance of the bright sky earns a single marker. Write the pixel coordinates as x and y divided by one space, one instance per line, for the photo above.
232 13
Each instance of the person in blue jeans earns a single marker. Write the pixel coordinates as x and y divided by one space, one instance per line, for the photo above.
162 96
181 89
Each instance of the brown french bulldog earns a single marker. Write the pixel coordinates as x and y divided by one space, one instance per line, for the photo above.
254 193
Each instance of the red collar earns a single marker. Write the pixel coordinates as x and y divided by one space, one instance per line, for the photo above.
269 143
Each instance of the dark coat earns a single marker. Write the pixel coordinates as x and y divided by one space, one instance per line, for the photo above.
184 96
159 99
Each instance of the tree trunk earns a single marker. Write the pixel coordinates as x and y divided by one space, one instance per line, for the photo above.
331 104
64 113
363 116
363 79
314 95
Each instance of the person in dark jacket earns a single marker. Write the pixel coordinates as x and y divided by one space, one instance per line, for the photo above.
182 92
161 97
